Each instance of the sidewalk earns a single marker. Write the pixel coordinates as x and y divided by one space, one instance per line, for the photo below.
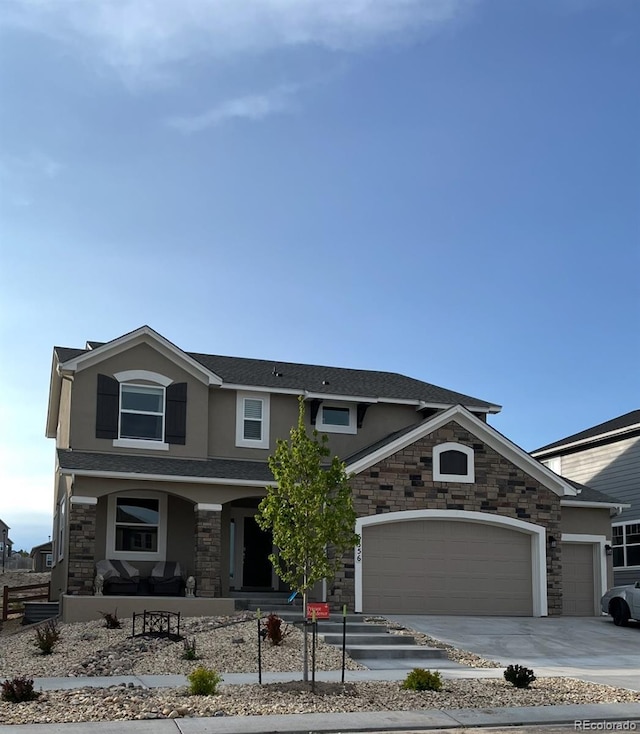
381 721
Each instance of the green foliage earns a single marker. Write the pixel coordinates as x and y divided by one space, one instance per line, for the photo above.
310 511
189 650
47 637
111 621
203 681
420 679
275 632
18 690
519 676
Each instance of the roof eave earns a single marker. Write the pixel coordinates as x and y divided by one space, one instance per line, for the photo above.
145 334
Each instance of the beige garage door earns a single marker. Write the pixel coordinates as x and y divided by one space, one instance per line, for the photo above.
577 579
445 567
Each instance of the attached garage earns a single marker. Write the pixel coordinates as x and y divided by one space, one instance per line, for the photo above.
577 579
449 562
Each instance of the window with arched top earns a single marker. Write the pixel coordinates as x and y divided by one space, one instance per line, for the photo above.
453 462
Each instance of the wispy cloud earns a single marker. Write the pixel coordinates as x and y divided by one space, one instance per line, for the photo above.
250 107
143 38
20 175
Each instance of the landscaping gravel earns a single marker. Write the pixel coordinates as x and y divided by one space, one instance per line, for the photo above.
229 645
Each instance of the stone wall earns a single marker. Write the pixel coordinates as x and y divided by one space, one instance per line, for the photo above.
404 481
82 548
207 553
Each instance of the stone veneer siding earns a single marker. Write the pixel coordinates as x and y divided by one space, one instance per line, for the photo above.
207 553
82 548
404 481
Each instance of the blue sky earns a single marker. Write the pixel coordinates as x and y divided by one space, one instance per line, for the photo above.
443 188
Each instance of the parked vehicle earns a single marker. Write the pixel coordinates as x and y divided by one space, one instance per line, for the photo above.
622 603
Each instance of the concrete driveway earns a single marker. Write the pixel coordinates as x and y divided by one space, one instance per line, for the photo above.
590 648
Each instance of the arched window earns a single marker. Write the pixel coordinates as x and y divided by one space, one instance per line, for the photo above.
453 462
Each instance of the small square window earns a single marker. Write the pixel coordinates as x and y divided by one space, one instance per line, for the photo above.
336 419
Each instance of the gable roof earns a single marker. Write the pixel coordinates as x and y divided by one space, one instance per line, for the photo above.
289 377
399 440
623 426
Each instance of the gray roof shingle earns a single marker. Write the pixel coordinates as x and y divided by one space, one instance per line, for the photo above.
256 471
615 424
319 379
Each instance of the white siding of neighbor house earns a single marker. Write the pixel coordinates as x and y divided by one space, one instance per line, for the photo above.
613 469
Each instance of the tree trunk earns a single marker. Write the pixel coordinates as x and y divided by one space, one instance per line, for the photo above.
305 652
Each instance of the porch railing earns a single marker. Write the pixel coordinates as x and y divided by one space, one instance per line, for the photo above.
14 597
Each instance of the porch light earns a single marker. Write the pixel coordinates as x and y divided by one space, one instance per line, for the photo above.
552 542
608 551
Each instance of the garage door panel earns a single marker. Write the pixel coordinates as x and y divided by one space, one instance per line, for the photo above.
578 579
446 567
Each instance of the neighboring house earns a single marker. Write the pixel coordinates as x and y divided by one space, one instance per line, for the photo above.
162 456
42 556
5 544
607 458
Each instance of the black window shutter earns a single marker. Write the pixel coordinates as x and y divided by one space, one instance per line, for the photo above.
175 425
107 406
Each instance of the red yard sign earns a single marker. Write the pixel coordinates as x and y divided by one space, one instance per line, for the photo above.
320 609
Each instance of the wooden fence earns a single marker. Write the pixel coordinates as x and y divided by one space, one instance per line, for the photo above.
14 597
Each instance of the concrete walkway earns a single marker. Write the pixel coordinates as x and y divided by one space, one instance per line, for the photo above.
380 721
592 649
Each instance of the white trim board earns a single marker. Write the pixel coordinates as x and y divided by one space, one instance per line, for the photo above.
143 335
537 533
166 478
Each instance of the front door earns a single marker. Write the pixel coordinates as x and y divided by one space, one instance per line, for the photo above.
256 566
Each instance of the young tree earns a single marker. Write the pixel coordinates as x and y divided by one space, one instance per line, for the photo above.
310 513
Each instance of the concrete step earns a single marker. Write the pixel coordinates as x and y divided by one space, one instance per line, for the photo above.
363 638
404 652
38 611
327 627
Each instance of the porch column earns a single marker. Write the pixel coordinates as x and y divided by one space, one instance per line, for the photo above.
81 551
207 550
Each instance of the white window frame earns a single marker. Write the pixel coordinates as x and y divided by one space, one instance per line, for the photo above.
625 545
160 554
438 476
263 442
48 560
352 428
145 443
62 522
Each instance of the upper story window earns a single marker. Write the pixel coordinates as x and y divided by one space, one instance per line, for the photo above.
625 540
335 418
142 412
141 409
453 462
252 420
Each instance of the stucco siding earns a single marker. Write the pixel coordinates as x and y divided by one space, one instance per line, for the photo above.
141 357
586 521
380 420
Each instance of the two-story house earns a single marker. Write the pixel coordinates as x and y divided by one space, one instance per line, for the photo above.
607 458
162 456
